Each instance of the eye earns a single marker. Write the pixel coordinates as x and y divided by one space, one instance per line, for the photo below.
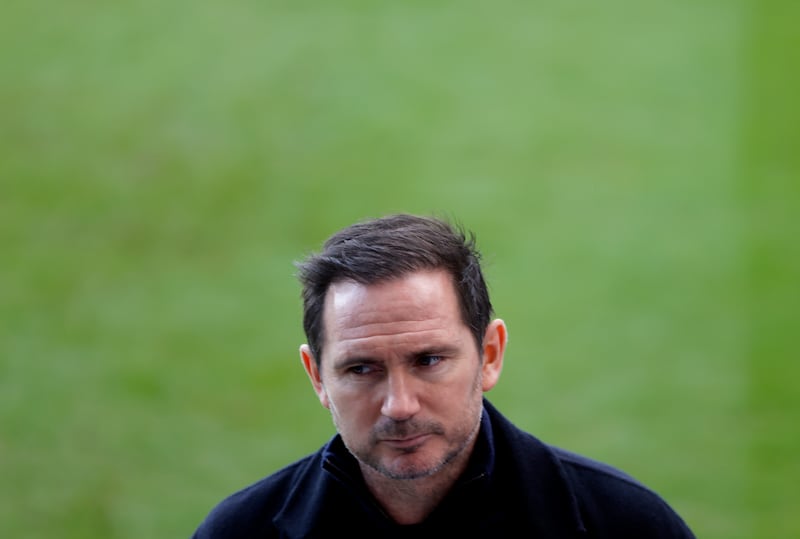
430 360
361 369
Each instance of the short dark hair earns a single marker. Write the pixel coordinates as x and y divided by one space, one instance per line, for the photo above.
385 248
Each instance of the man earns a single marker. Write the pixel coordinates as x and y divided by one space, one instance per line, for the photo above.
401 349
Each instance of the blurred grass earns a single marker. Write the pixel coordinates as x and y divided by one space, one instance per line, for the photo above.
630 170
771 188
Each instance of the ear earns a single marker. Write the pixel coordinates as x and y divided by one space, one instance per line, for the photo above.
494 347
310 365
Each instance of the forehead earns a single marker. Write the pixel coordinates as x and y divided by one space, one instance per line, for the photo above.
423 301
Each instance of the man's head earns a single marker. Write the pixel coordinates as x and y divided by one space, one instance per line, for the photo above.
399 309
386 248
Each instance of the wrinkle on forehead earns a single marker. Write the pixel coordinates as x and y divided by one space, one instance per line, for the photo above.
356 331
401 309
411 297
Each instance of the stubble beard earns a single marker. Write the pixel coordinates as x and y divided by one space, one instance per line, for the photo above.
413 471
367 458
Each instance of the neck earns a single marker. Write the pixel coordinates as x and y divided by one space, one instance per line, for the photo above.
408 501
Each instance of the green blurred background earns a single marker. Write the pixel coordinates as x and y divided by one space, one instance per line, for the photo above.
630 170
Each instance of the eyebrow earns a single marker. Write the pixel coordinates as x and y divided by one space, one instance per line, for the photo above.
347 362
444 350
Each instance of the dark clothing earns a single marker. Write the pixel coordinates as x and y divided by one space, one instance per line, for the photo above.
514 486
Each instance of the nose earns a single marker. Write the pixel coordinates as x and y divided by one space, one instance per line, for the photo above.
400 401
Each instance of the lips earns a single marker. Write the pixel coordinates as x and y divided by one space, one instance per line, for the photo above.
406 442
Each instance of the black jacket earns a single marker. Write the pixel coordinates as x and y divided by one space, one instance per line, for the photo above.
514 486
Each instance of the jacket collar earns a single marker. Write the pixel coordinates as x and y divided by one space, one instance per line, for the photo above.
525 459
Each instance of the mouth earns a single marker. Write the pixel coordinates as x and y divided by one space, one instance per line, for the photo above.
406 442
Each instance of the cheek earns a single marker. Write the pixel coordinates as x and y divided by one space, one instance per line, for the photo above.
351 419
358 407
471 380
349 405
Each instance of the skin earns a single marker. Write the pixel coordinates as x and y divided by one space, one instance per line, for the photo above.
404 380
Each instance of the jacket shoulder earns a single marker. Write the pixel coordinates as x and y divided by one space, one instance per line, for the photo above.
596 498
611 500
249 511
